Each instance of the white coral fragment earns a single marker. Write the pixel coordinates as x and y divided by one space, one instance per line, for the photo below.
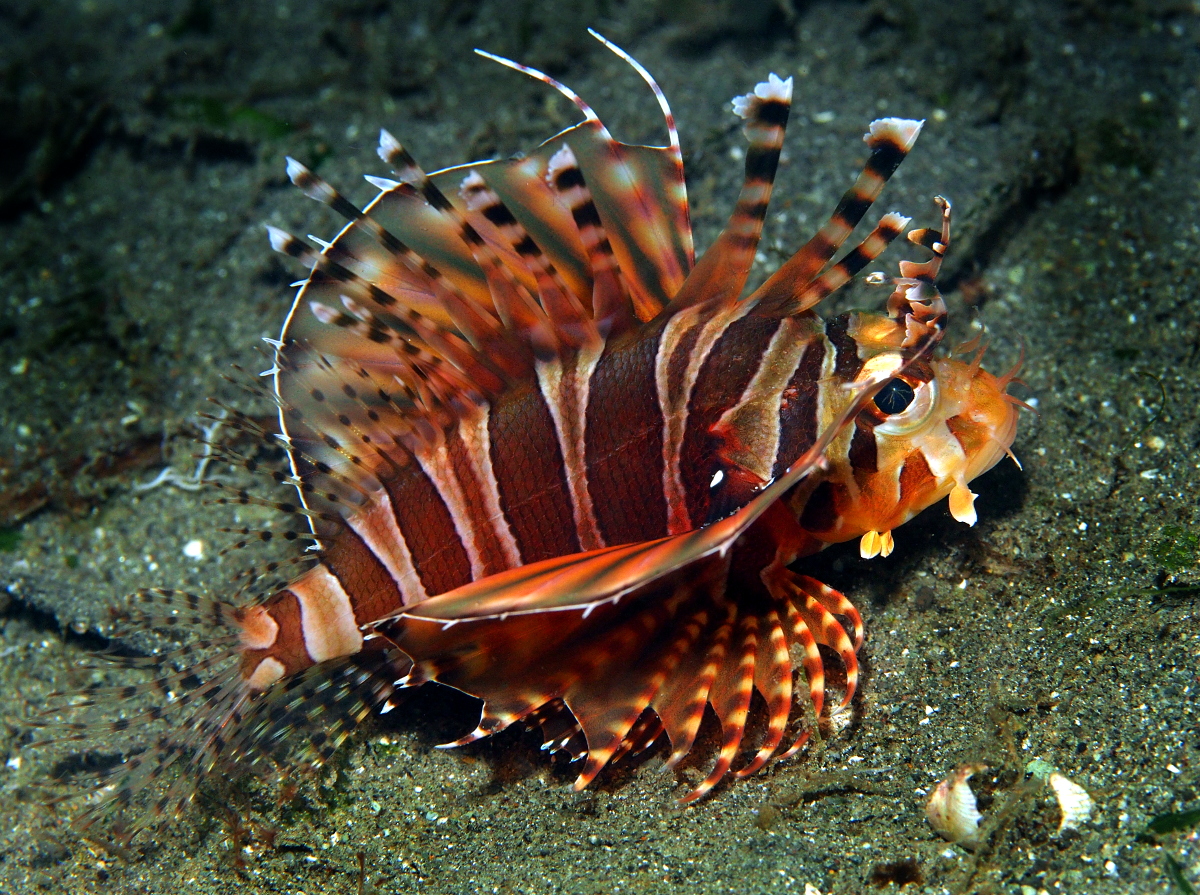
1073 800
951 809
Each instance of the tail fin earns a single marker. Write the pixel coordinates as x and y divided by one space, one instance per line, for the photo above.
194 718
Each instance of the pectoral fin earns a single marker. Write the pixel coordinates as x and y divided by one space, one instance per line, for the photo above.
962 503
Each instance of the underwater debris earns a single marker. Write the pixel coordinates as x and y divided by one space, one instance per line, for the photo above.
1073 800
951 809
1176 549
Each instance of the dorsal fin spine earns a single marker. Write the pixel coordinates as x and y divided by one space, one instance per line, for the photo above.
719 276
568 316
678 187
517 308
641 205
472 321
611 305
889 140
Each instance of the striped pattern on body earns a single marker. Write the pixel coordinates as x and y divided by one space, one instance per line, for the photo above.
553 460
575 465
652 404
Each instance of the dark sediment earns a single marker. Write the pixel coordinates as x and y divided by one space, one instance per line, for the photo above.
143 151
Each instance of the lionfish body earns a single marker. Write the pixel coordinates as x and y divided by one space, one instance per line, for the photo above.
556 463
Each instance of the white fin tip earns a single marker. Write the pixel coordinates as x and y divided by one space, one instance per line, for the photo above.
295 170
774 88
901 131
384 184
388 145
895 220
561 160
279 238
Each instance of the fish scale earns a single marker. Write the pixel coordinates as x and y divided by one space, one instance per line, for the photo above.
553 461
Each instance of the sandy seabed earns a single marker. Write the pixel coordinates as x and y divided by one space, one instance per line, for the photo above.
148 150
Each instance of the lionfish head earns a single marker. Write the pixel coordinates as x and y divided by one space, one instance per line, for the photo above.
933 425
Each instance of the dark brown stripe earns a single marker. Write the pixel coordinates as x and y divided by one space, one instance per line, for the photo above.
389 240
307 181
499 214
852 208
740 242
855 260
528 464
724 375
798 408
288 647
755 210
343 206
428 529
366 581
586 215
435 197
623 444
821 513
885 159
864 452
761 164
335 272
294 247
470 235
773 111
568 178
846 364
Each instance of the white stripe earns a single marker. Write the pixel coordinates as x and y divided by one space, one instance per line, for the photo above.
943 452
376 525
567 399
473 430
755 417
257 629
266 673
436 464
827 410
674 406
326 616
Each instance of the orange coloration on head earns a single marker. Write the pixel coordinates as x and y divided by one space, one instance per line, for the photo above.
938 424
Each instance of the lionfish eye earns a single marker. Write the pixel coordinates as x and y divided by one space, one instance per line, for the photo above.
894 397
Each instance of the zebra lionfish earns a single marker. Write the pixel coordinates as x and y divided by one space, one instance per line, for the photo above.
553 461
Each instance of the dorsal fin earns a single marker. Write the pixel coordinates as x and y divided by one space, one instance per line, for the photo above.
721 272
889 140
639 193
448 288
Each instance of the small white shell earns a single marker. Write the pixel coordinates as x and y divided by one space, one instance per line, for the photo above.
951 809
1073 800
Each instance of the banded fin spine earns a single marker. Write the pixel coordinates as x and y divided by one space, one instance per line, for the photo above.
889 140
721 273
